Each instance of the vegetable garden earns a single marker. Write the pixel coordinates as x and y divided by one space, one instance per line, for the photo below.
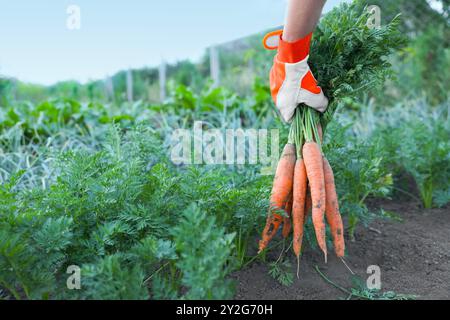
91 183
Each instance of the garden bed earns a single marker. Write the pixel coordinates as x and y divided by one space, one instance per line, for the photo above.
413 255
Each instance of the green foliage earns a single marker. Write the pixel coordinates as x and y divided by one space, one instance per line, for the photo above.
426 156
51 116
418 144
360 172
347 56
420 14
110 279
282 272
360 291
5 91
204 250
423 63
123 214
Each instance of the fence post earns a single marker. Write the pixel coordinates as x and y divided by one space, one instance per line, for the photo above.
109 86
162 81
129 85
214 65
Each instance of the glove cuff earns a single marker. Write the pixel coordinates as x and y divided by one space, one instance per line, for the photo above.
292 52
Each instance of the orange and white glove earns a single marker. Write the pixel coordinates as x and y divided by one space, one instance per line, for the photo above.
291 80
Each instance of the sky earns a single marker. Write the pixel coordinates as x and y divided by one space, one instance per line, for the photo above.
36 44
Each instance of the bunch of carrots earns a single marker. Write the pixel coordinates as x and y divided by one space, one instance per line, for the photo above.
347 56
304 181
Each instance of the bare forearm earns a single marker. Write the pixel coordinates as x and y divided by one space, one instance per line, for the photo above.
301 18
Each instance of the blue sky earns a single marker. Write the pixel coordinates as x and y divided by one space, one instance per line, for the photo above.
36 45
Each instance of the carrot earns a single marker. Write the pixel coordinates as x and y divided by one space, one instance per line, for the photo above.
308 203
282 187
314 170
332 210
287 225
298 208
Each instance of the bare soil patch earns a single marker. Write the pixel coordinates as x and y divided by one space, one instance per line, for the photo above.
413 254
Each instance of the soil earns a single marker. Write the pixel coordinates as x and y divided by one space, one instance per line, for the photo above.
413 255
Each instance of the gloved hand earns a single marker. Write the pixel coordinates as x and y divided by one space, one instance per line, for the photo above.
291 80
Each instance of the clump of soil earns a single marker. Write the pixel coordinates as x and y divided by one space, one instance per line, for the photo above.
413 255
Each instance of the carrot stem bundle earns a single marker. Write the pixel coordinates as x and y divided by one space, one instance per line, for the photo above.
303 181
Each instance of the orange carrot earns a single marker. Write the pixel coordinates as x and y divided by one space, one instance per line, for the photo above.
308 203
298 208
314 170
282 187
332 210
287 225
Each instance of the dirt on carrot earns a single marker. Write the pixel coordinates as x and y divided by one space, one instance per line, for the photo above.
282 188
287 223
332 214
298 209
314 170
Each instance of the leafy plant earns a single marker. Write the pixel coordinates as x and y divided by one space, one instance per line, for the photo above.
204 257
348 56
126 213
111 279
281 270
426 156
360 172
416 142
360 290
